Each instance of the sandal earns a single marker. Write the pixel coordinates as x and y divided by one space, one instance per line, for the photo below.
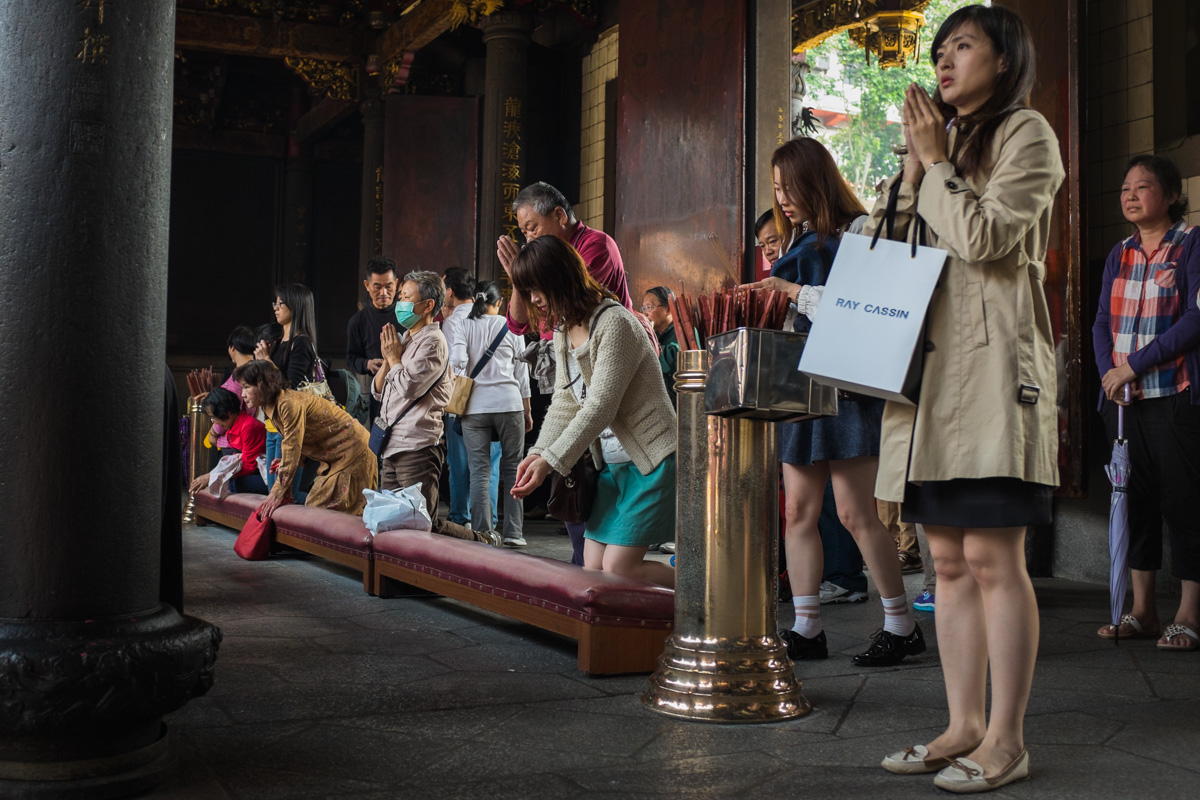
1111 631
1189 639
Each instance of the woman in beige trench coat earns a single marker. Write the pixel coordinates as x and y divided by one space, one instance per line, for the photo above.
975 461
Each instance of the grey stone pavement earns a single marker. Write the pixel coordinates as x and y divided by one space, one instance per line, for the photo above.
322 691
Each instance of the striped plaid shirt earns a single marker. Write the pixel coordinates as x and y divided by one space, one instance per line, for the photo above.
1145 304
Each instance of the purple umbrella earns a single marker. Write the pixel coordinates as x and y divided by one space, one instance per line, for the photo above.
1118 520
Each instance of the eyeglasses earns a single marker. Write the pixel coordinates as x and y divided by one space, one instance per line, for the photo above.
278 303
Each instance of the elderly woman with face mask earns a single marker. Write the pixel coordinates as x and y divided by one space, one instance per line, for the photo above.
413 387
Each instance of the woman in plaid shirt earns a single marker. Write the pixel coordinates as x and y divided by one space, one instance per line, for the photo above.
1147 337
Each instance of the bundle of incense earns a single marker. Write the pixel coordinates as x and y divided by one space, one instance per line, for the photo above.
725 310
199 381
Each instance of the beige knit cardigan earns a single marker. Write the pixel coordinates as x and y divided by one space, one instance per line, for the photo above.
625 392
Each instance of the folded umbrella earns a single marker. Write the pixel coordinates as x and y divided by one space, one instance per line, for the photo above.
1118 521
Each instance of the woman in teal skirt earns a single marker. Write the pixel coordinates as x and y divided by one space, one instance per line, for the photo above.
609 400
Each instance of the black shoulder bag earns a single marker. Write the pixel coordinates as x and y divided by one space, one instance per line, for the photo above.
381 432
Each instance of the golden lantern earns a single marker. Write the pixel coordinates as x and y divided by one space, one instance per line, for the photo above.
887 28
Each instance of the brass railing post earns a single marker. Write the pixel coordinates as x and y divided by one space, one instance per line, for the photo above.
198 427
724 662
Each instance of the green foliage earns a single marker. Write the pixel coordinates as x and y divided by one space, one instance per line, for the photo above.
864 149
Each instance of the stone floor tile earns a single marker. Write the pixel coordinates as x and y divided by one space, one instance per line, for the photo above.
531 656
358 668
287 627
475 722
464 689
597 734
681 739
1068 727
865 719
400 643
855 751
715 776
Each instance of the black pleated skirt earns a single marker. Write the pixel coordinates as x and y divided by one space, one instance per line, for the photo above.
978 503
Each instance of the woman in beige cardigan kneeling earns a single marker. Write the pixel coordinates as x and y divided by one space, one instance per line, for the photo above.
609 399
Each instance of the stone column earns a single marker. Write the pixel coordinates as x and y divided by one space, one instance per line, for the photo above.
90 659
370 237
507 35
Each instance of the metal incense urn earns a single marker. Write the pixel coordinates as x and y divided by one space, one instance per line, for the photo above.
724 662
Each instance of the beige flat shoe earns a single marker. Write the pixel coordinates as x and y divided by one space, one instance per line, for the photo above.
964 776
915 760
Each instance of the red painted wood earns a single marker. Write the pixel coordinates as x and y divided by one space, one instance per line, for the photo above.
681 142
431 182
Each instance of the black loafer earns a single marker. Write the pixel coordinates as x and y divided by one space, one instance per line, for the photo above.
802 648
888 649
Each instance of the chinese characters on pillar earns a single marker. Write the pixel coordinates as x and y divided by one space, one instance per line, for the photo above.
510 164
378 210
94 44
779 133
86 136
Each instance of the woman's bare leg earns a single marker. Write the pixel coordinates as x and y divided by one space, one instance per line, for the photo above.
803 493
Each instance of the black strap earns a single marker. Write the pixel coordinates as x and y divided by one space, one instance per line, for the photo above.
490 351
590 328
889 219
388 430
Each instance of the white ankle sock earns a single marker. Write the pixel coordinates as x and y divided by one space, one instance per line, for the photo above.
897 616
808 615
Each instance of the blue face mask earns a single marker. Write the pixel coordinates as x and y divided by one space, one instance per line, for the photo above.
405 314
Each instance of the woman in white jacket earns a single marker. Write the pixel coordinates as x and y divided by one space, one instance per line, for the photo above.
484 348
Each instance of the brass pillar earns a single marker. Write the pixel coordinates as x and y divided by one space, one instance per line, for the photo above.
198 427
724 662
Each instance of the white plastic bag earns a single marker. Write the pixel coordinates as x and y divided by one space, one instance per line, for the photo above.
263 469
396 509
222 474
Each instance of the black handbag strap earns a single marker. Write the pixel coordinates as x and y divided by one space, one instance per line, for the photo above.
889 219
388 430
491 351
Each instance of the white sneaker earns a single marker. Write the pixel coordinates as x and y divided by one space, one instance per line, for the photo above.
518 541
832 593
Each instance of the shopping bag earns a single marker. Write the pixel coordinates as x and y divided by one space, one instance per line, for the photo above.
221 476
867 336
396 509
254 541
263 470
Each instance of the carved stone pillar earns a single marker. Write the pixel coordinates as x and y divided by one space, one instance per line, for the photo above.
507 35
90 659
370 238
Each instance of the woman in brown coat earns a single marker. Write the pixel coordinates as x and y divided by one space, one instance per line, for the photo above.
975 460
314 429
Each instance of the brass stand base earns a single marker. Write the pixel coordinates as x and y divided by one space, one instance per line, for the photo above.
726 680
189 510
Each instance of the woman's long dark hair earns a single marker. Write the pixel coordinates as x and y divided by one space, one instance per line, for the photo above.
1010 37
486 294
551 266
811 178
299 300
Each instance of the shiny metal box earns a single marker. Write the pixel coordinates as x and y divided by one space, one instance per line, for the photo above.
753 374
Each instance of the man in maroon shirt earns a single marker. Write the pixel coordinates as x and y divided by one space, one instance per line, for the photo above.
542 210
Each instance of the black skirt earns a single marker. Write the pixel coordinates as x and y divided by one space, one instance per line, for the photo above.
978 503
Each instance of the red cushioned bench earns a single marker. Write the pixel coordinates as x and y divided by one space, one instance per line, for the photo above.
620 623
332 535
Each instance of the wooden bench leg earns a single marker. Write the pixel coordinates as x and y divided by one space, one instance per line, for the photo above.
607 650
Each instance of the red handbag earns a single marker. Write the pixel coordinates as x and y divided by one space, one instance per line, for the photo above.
255 539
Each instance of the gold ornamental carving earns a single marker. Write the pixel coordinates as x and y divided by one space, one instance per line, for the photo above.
887 28
471 11
332 79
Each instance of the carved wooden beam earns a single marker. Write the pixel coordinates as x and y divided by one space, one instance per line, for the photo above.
418 28
321 118
248 36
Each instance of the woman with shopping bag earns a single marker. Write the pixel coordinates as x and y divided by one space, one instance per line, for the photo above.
974 461
814 206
